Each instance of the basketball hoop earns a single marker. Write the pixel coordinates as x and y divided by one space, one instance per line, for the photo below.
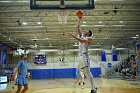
62 16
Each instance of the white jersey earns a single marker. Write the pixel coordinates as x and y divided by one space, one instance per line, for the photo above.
83 47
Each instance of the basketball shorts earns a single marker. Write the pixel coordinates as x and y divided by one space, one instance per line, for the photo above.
84 61
21 81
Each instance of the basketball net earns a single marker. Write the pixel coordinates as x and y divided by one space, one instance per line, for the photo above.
62 16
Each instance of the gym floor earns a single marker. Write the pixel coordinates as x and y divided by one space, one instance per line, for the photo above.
67 86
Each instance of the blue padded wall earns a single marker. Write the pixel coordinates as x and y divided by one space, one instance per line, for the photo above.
59 73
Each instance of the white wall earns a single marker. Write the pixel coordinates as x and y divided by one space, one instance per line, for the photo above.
71 60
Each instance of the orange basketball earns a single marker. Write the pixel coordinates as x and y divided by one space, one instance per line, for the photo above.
79 13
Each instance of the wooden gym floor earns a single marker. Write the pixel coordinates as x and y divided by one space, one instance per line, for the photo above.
67 86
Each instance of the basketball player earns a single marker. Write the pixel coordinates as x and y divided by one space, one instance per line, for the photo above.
85 40
138 61
21 71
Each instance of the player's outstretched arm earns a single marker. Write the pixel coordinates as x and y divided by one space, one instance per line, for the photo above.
88 40
14 74
78 27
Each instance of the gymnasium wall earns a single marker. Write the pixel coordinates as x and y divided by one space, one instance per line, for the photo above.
57 69
67 69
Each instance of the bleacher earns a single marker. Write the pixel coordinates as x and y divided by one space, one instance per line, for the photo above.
6 72
124 70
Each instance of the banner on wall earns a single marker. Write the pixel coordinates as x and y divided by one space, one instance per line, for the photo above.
103 56
40 59
114 56
138 46
109 65
4 57
4 53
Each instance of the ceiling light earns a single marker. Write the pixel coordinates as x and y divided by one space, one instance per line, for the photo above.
99 25
112 46
121 22
24 23
34 39
100 22
75 45
121 48
39 23
13 1
5 1
84 22
9 39
134 37
49 50
84 25
137 35
35 45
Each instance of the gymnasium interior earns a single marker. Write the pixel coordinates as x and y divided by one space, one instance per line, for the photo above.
39 28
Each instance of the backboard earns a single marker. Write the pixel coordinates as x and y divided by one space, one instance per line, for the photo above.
62 4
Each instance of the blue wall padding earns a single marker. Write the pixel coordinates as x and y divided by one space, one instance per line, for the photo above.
59 73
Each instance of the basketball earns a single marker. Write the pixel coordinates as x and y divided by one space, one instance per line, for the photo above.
79 13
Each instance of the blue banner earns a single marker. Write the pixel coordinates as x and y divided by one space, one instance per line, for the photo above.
4 53
4 57
103 56
138 46
114 56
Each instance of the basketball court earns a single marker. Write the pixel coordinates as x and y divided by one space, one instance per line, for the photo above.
66 86
40 28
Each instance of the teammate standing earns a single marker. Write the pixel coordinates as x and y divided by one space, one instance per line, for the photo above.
21 72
